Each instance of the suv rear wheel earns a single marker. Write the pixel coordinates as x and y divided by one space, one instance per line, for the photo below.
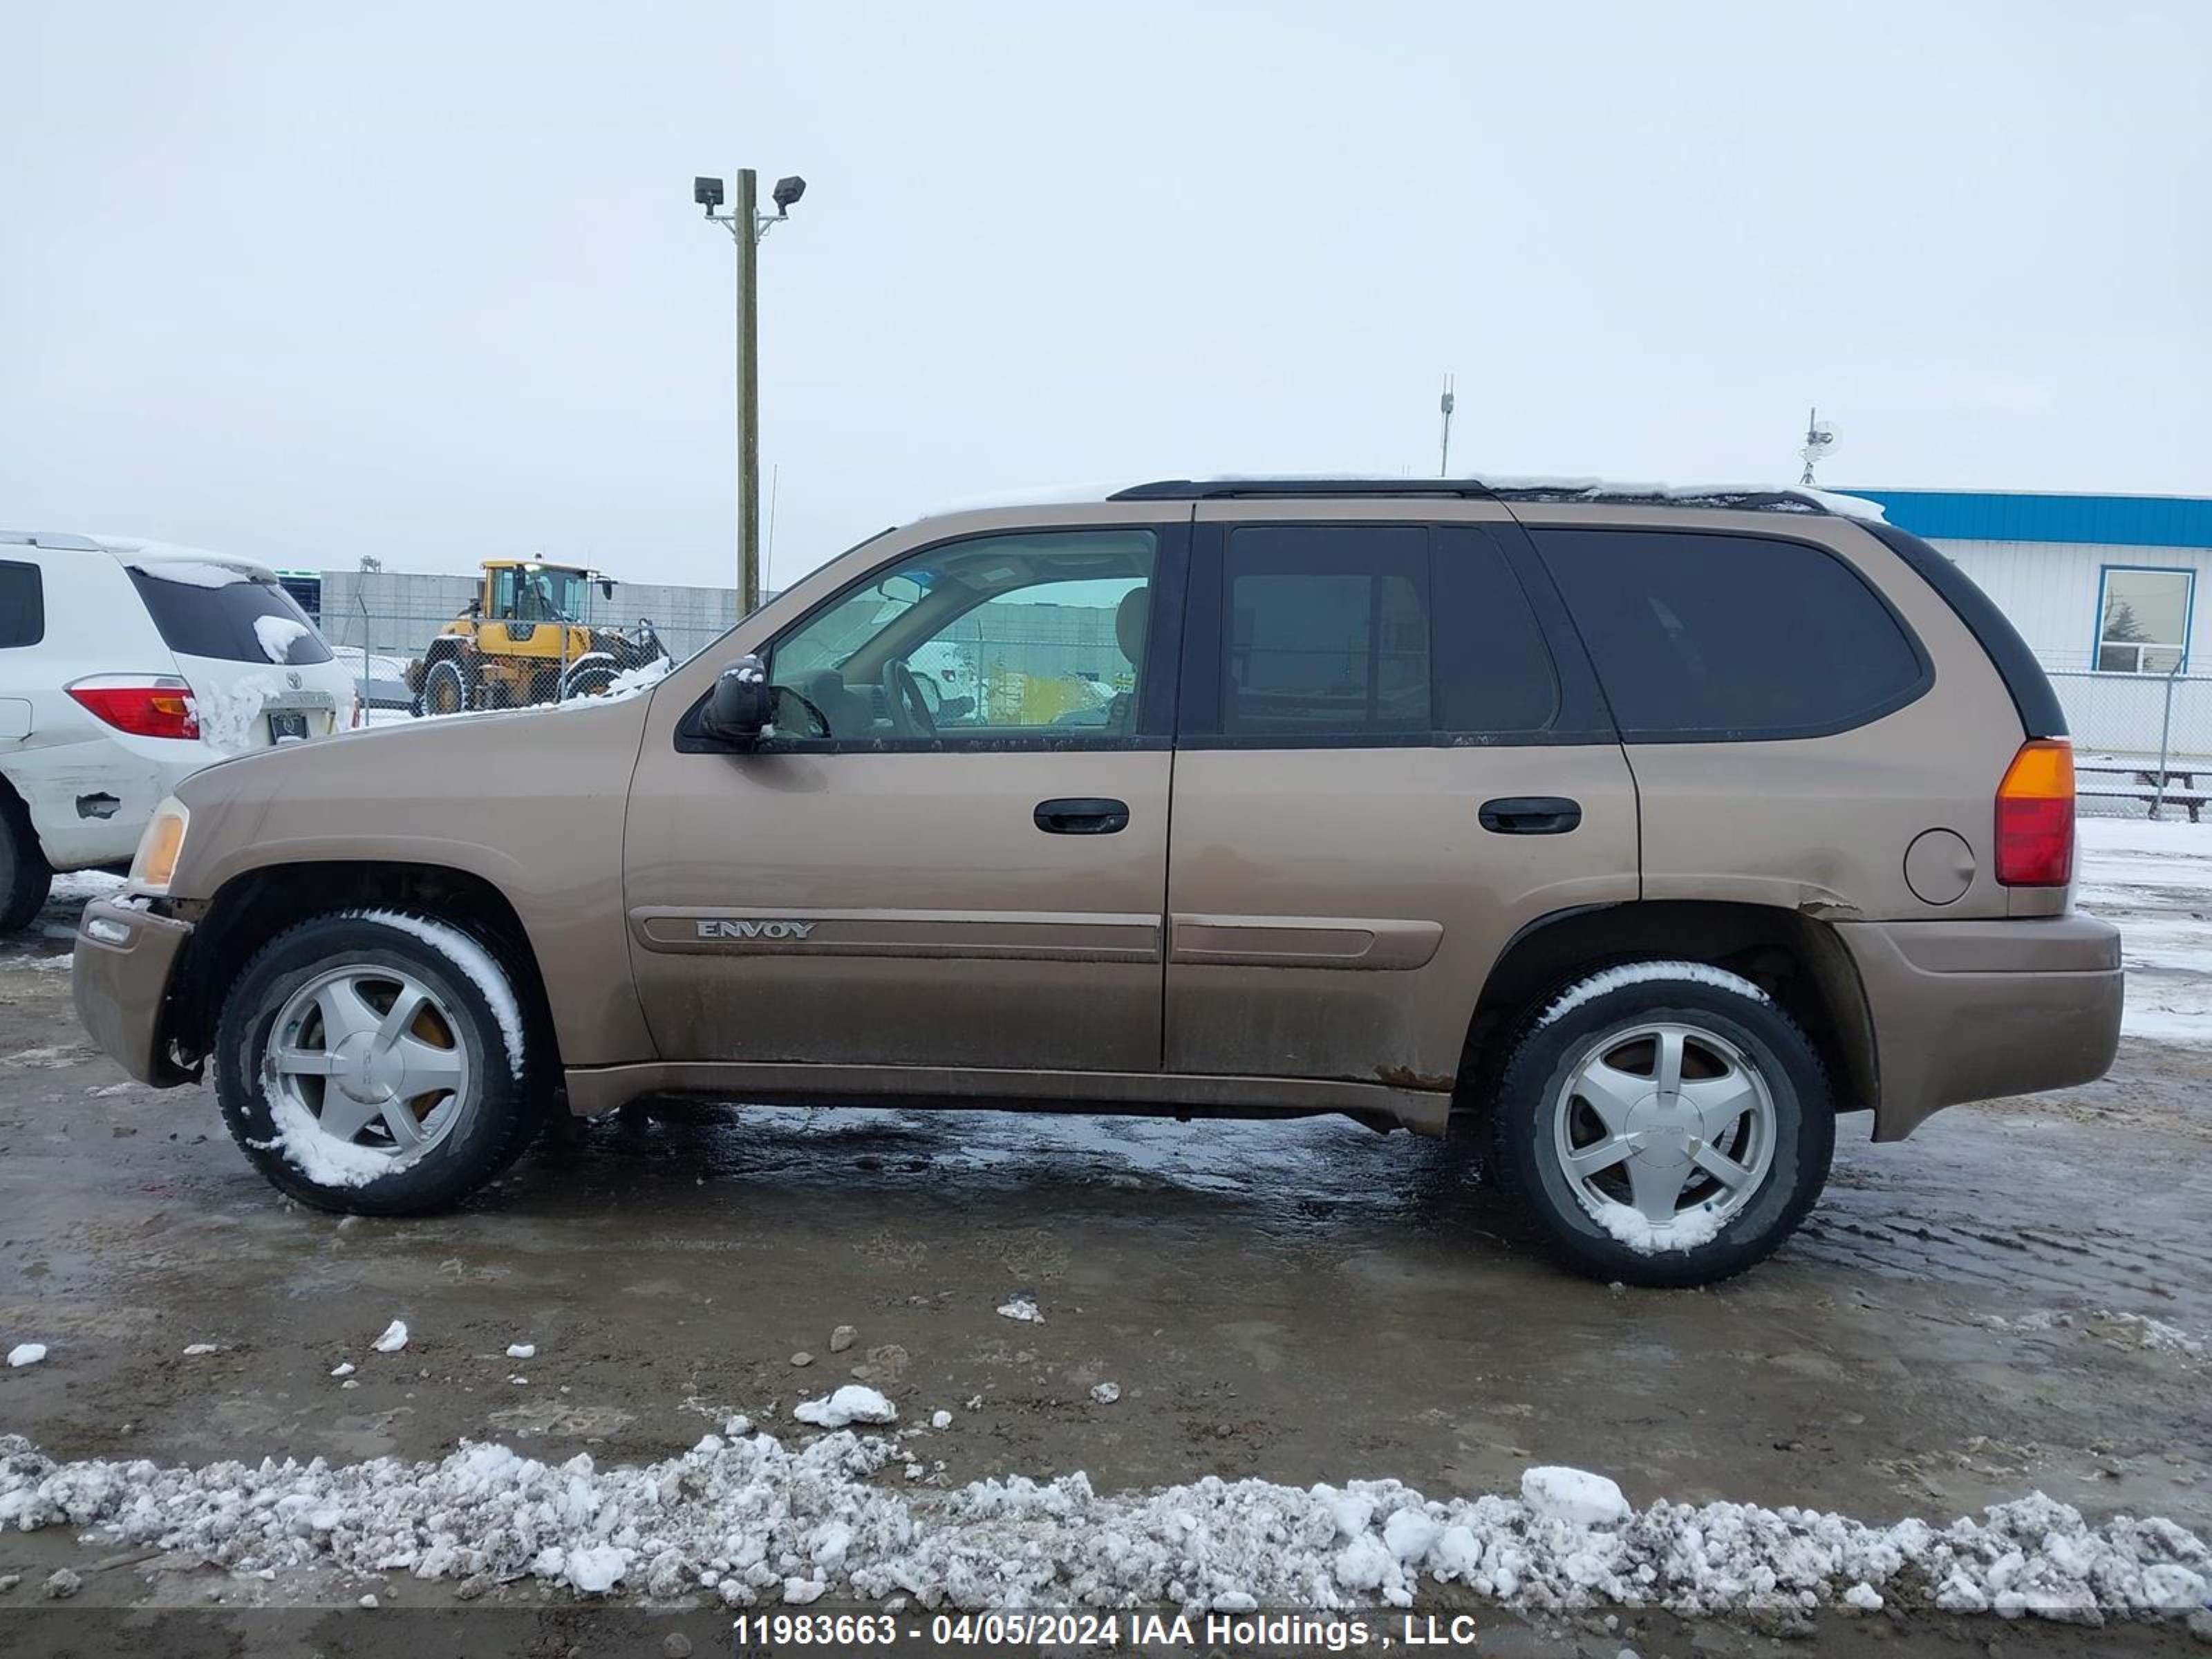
26 879
1663 1123
372 1062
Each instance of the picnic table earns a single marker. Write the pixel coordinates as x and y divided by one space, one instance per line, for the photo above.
2172 786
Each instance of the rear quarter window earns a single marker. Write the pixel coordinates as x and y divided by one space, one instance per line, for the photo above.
224 620
22 605
1701 637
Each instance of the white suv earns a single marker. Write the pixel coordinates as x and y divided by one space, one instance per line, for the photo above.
124 666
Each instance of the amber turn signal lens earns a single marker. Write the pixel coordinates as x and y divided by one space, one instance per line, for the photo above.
159 847
2035 816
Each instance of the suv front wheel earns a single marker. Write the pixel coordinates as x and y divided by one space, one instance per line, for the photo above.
371 1061
1663 1123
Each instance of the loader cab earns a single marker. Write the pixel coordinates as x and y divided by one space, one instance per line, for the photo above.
533 592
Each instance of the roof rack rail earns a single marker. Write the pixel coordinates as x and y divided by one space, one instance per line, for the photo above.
1208 489
1595 491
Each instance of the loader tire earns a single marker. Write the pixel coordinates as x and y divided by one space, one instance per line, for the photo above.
447 688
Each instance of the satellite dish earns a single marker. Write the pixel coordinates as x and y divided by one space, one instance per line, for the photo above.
1820 439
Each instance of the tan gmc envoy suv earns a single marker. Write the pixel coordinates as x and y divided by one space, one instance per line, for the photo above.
1638 834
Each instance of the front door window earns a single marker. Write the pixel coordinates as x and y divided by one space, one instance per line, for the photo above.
1028 636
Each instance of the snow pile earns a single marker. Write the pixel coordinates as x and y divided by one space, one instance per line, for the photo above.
753 1520
2153 880
394 1338
195 573
851 1404
1631 1227
473 960
278 634
629 682
2122 1330
227 715
1639 973
323 1159
26 1353
1574 1496
1022 1308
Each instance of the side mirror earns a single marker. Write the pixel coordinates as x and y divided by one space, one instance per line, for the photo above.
737 709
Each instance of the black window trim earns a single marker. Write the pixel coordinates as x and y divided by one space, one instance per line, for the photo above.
1882 709
1157 702
2025 682
35 612
1578 719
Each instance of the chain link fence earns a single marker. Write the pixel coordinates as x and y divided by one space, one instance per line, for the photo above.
2143 743
405 663
556 633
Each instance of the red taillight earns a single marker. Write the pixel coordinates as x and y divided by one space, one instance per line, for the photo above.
2035 816
156 706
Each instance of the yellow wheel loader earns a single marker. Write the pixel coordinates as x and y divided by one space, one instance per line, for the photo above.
522 641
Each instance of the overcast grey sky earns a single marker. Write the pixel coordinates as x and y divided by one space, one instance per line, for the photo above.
306 282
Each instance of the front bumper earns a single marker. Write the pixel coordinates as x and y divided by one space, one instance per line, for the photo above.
1973 1010
122 975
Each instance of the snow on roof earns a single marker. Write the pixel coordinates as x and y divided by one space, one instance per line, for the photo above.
173 562
1806 498
1782 497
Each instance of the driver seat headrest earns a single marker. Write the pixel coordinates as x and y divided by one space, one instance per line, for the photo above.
1131 619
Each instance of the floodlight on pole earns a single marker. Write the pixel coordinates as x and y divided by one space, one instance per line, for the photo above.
747 226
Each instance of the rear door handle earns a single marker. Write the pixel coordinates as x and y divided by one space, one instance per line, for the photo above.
1082 815
1530 815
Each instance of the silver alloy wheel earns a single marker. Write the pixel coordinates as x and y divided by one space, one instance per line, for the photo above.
1671 1121
375 1057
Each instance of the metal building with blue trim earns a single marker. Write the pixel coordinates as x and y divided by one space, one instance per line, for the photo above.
2097 584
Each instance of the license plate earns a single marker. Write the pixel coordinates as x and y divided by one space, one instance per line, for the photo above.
287 723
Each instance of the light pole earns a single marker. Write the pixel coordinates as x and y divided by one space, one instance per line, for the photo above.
747 226
1444 405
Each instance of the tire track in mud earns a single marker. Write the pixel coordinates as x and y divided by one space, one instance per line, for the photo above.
2096 1264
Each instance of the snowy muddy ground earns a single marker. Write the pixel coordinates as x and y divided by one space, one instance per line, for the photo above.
2018 1300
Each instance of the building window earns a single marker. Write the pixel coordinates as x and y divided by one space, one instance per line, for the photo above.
2142 620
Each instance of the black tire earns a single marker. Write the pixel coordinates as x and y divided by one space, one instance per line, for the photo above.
502 1108
588 679
445 689
1533 1176
26 879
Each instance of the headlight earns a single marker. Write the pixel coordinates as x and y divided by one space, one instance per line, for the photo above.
159 847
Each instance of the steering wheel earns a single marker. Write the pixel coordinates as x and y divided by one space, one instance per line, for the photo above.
909 710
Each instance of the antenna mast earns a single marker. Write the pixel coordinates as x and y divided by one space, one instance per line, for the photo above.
1444 403
1820 439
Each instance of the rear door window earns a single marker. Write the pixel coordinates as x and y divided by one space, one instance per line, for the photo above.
1327 631
1494 673
1321 634
1698 636
202 611
22 605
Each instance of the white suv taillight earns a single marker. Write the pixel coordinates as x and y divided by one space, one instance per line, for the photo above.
144 705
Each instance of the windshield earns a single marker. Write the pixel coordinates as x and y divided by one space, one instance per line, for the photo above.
545 594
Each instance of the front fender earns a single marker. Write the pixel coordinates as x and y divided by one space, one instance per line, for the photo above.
530 802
